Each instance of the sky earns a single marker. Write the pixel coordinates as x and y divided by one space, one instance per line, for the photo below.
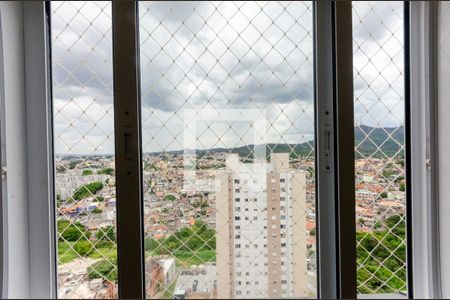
229 57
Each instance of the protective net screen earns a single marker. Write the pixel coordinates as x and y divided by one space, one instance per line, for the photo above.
378 49
228 149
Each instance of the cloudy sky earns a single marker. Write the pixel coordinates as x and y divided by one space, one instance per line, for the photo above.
231 57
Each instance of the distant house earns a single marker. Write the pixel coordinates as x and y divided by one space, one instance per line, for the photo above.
111 202
154 278
160 272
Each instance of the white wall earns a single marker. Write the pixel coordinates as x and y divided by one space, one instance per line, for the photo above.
444 141
15 206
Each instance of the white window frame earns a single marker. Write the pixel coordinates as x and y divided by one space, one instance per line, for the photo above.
28 245
424 169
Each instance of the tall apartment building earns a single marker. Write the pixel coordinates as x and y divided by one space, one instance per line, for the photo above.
261 230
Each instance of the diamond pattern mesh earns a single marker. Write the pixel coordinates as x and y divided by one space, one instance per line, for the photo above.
222 78
379 137
84 159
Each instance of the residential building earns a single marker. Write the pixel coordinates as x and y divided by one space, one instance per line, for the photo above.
261 229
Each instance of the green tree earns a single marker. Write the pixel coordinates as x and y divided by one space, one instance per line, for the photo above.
83 248
62 224
97 210
72 232
399 178
384 195
87 190
169 197
387 173
106 171
402 187
106 233
86 172
105 269
386 245
151 244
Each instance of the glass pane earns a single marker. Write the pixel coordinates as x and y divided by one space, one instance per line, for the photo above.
228 149
378 45
84 149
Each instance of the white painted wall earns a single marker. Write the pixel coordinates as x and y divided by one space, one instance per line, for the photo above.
15 209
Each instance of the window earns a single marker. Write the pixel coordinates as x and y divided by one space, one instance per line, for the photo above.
84 149
226 95
379 96
210 71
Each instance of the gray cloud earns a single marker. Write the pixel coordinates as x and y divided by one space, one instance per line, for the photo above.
187 63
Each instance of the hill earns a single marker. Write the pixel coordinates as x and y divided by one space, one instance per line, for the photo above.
377 142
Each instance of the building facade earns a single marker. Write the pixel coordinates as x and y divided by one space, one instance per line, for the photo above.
261 229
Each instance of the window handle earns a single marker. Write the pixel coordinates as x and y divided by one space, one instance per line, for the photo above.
327 142
3 172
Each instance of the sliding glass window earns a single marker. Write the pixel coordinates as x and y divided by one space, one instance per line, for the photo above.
84 149
228 149
379 99
227 126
